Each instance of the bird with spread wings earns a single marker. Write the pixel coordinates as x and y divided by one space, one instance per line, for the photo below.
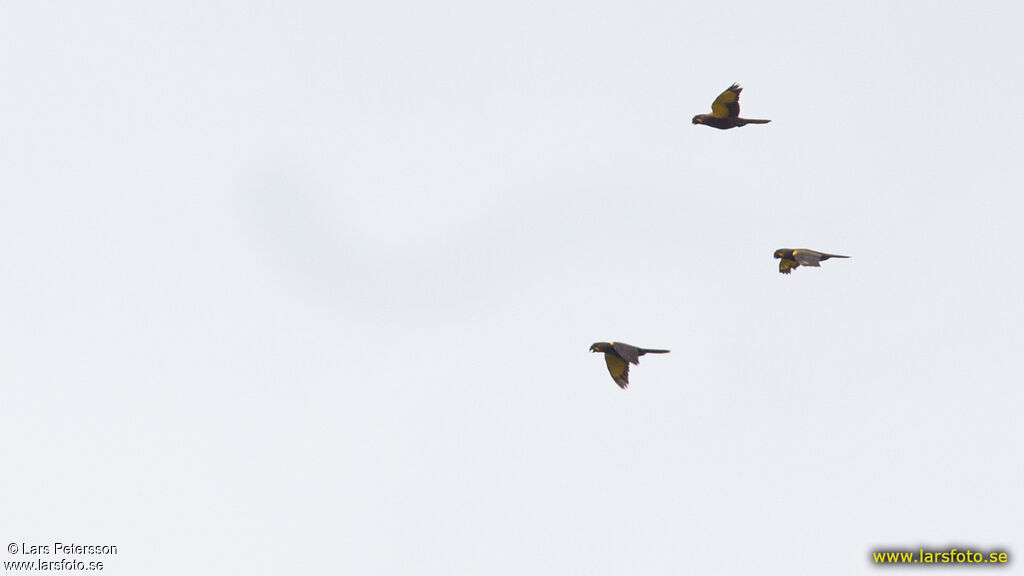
725 111
619 356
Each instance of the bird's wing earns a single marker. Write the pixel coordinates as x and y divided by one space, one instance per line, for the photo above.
807 257
786 265
727 105
628 353
618 368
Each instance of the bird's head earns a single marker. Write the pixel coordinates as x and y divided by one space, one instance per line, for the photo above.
698 119
599 347
778 254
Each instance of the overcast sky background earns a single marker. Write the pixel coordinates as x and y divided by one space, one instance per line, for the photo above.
309 288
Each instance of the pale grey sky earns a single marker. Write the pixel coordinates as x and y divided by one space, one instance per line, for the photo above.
309 287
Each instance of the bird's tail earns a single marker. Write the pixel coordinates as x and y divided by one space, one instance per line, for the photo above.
745 121
827 256
652 351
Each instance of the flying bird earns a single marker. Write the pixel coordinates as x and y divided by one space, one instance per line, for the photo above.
725 111
619 356
791 258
